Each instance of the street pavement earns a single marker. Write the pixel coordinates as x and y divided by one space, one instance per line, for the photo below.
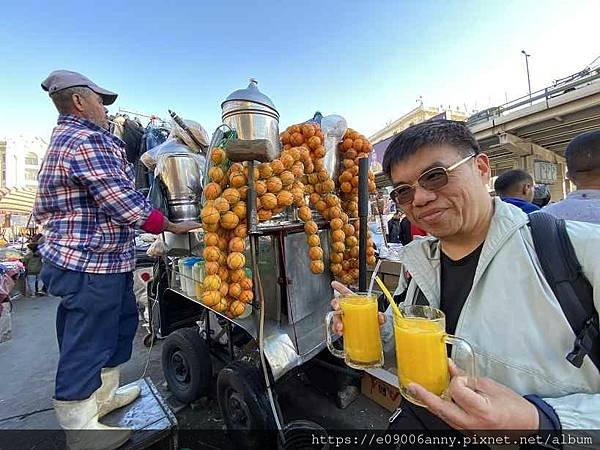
28 363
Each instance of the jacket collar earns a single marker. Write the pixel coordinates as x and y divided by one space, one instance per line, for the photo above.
422 256
72 120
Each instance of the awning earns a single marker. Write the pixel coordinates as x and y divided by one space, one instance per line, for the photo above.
17 200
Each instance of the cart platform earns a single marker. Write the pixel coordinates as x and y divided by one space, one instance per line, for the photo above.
154 425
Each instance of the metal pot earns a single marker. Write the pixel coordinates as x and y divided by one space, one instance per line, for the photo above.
252 115
182 177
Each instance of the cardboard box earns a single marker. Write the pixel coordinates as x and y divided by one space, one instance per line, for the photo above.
381 386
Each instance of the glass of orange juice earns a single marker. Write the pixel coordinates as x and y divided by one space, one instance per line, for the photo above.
362 339
421 353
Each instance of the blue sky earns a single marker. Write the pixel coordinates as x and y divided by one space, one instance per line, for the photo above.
366 60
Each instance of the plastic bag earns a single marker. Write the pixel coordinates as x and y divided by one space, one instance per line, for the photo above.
197 130
333 127
158 248
172 145
157 196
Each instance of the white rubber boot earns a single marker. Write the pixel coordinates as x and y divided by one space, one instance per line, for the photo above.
79 419
110 396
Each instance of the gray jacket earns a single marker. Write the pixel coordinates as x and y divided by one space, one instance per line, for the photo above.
511 316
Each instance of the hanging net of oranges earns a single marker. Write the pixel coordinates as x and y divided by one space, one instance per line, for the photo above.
298 174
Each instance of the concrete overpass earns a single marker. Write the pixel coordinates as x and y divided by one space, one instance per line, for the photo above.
532 132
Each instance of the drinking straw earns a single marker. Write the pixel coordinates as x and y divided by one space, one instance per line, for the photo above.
389 297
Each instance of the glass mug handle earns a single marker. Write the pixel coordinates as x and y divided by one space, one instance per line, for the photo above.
471 370
328 318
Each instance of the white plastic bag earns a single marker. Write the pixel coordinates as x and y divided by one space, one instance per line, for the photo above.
158 248
150 158
184 137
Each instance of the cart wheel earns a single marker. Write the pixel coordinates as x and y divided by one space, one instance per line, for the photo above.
186 364
244 405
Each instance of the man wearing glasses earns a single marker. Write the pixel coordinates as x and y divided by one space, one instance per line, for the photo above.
480 268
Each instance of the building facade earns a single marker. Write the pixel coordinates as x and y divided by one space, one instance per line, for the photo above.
383 137
20 161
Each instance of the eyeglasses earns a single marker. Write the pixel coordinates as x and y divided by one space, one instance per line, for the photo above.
432 180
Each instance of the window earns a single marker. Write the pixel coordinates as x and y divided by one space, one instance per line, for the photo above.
31 174
31 159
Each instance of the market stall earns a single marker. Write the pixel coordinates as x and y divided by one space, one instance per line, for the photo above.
281 219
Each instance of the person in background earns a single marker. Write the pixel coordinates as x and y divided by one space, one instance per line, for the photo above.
583 169
409 230
541 195
33 265
394 228
89 209
516 187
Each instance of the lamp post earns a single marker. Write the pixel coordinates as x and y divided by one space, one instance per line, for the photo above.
527 68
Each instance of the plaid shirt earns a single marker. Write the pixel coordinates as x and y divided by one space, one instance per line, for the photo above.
86 200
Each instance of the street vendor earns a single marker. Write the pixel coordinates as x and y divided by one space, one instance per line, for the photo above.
480 268
89 209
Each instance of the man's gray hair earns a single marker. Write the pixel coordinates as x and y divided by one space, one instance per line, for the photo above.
63 99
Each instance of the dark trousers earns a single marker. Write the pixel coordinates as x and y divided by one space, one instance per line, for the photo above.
96 322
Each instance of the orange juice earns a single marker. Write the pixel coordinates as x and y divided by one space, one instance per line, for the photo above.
421 354
362 340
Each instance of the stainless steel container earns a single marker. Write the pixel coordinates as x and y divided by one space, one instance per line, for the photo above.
182 176
252 115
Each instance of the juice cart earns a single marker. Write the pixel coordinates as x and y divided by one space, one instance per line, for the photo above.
279 326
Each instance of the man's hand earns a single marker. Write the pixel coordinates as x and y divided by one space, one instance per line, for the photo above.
491 406
182 227
337 325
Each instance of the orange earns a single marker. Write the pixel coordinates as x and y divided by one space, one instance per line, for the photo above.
274 184
277 167
336 269
239 209
265 170
237 244
287 160
261 188
268 201
284 198
212 190
216 174
305 214
231 195
285 137
235 290
351 241
319 151
346 144
246 283
315 253
311 227
229 220
298 169
221 204
338 247
287 177
314 142
317 266
296 139
246 296
313 240
217 155
211 239
238 179
337 258
211 283
336 223
236 260
211 253
237 275
237 308
241 231
264 214
210 215
308 130
211 298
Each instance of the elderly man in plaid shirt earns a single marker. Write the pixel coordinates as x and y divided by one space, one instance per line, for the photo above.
89 209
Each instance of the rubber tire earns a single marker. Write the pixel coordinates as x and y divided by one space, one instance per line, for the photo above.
190 349
246 383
